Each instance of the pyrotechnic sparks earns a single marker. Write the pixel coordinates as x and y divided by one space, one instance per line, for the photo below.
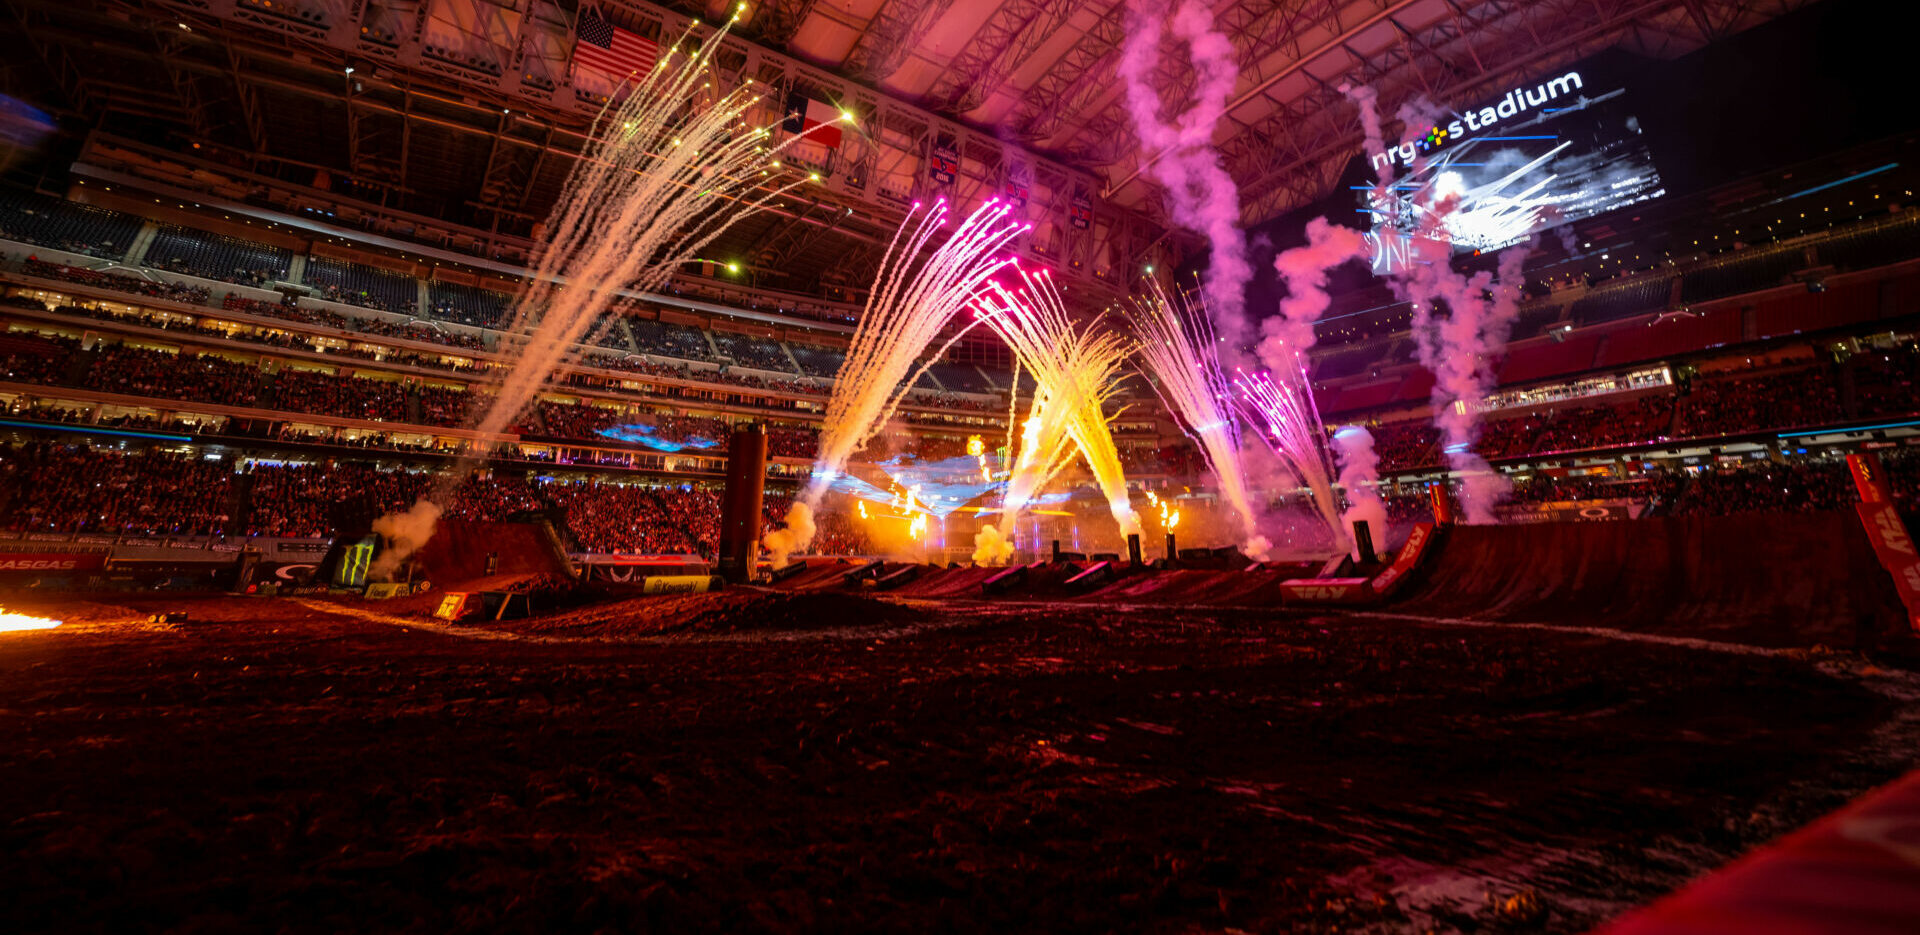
667 171
1177 344
1045 449
10 622
1281 408
977 450
1074 368
909 305
664 173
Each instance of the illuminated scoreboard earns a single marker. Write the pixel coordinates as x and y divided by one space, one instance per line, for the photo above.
1488 176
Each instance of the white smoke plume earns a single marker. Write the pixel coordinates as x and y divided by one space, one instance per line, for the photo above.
405 533
798 532
990 547
1290 334
1360 475
1180 154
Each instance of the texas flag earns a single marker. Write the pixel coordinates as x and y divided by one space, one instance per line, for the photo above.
804 114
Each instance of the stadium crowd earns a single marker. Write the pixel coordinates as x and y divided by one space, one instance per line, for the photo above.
48 487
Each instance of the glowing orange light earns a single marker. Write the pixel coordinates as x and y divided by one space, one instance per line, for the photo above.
10 622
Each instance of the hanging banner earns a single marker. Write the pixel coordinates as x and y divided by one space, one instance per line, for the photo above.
944 166
1080 211
1019 184
1570 511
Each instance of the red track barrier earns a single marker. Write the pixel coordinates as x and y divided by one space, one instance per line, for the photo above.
1854 872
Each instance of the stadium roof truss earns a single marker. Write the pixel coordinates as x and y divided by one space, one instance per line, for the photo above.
470 110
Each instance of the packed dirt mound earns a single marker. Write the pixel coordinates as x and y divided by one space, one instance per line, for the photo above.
940 581
730 611
458 553
820 573
1772 579
1257 588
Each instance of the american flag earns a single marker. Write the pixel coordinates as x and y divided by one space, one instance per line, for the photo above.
606 48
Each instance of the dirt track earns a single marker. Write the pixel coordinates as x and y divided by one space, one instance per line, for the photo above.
1042 770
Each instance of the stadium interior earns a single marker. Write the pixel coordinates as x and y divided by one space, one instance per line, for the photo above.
266 266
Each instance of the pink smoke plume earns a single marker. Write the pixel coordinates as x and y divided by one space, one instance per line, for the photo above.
1289 335
1460 350
1368 100
1180 154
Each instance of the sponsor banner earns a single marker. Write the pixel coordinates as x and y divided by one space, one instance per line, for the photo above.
285 572
1327 590
1019 184
1869 478
629 568
453 605
297 550
50 563
1570 511
1896 550
1891 541
676 584
1409 557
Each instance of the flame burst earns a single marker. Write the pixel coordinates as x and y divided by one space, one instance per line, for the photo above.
11 622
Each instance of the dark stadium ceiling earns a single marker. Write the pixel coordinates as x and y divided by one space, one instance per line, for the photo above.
1042 72
1038 74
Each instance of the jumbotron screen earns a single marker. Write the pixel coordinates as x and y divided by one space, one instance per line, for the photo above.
1485 177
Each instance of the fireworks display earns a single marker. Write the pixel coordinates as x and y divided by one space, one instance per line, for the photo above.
665 172
1178 350
1281 409
1075 366
668 170
912 300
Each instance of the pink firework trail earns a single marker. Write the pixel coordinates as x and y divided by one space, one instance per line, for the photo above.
1281 409
1177 345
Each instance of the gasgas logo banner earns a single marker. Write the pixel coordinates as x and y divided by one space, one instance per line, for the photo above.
50 562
